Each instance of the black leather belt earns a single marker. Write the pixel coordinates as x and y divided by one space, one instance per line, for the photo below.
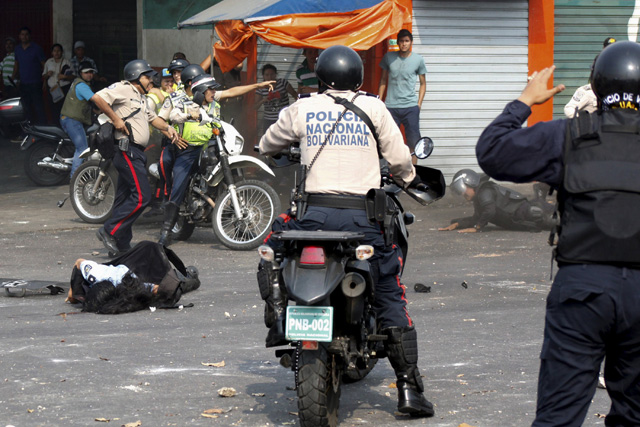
138 146
336 201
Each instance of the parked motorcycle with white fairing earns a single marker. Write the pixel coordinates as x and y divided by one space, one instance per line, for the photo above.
330 323
240 210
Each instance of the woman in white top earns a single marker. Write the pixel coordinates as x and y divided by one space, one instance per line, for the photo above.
57 72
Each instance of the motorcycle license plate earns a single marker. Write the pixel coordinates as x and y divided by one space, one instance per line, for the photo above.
309 323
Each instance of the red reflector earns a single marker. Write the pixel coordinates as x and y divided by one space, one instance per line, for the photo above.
312 255
309 345
6 107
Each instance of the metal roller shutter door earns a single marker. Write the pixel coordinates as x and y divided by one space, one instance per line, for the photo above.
580 29
476 55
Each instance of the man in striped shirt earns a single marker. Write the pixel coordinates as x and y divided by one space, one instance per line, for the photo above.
277 99
306 72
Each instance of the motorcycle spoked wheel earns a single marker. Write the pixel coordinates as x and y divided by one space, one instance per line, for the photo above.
260 204
98 209
318 388
42 176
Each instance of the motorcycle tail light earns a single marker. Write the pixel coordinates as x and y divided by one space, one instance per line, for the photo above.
309 345
364 252
266 253
6 107
312 255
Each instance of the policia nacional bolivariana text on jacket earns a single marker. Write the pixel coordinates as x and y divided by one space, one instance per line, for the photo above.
594 162
341 175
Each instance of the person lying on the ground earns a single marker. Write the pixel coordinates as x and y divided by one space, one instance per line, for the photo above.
497 205
148 275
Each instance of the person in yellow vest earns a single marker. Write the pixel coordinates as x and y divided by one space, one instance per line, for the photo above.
194 124
76 111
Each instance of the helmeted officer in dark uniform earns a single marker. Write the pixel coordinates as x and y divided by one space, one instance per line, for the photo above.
122 101
337 182
495 204
593 306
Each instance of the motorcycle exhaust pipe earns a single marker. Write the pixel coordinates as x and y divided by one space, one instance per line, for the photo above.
47 163
205 197
353 286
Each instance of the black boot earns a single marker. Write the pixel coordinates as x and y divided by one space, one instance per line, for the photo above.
170 217
402 350
275 304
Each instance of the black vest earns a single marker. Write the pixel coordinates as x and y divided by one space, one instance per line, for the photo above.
599 199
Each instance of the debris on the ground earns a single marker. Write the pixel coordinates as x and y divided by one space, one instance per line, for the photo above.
227 392
419 287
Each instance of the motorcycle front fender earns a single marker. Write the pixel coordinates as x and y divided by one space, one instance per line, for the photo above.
237 162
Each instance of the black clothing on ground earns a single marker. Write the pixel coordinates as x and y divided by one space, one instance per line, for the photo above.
507 209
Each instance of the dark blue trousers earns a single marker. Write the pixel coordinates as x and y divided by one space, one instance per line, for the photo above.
133 194
176 166
410 118
390 303
593 311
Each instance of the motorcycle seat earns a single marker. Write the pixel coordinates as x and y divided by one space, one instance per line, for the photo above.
325 236
49 131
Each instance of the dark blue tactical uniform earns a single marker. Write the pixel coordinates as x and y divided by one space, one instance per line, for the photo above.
593 306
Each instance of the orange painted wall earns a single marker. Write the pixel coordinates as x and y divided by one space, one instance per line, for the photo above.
541 26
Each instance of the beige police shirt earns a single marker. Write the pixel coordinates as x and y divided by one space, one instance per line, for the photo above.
124 99
349 162
582 100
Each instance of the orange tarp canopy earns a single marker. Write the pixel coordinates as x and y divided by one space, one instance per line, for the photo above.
359 29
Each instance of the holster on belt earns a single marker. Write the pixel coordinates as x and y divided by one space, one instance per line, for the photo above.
382 210
376 205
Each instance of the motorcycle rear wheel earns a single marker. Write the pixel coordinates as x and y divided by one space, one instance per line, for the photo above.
182 229
42 176
260 205
98 209
318 388
355 375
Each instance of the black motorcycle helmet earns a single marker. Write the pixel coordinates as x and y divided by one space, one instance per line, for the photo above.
340 67
136 68
615 78
178 64
464 179
190 72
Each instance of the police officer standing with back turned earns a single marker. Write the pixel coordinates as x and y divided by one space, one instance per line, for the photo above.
593 306
126 101
337 181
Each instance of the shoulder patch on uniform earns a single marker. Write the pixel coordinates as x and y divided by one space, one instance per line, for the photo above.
111 86
166 103
86 269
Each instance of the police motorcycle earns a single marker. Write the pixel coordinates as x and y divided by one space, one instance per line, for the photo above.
49 153
330 325
240 210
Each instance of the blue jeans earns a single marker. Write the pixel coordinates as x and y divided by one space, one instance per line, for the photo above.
75 130
410 118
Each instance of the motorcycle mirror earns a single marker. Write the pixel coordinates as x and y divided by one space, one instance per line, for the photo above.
424 147
198 98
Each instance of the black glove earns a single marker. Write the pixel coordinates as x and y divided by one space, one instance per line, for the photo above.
418 184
